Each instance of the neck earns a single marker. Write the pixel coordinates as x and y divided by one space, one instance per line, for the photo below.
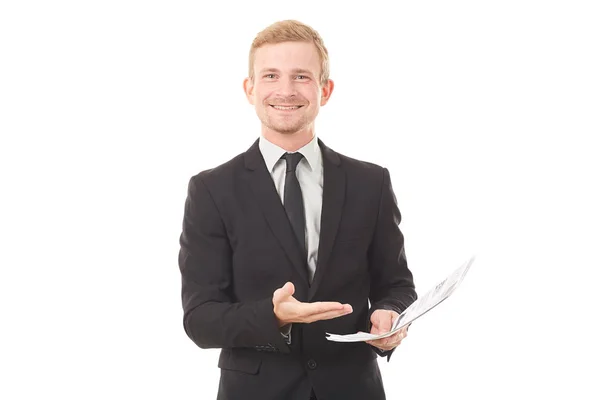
290 142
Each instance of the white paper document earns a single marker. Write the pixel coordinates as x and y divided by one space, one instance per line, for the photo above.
423 304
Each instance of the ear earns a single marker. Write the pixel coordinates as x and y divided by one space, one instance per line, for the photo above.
249 90
326 92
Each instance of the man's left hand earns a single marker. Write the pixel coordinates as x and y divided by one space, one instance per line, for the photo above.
381 321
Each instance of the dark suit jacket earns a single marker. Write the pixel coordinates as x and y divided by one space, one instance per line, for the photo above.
237 248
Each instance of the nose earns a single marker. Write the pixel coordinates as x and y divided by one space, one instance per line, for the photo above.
286 88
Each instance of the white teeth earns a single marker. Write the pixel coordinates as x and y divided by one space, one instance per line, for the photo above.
286 108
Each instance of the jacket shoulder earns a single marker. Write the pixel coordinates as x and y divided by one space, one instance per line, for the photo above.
364 168
223 171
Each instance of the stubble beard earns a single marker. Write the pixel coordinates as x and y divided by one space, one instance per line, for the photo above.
285 127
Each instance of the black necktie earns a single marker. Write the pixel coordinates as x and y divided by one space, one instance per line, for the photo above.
292 198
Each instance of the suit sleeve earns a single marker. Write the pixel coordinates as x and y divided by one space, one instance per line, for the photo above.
392 286
211 318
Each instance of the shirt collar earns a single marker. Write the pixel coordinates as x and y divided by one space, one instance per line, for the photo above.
272 153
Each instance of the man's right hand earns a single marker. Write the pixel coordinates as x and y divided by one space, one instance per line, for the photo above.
289 310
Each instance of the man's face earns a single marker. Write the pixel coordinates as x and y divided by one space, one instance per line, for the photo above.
286 90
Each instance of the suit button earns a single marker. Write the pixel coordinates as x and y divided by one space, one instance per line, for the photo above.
312 364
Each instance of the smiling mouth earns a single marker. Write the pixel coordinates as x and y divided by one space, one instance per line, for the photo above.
286 108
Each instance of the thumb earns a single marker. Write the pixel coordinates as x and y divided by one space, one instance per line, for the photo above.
382 320
283 292
374 326
289 288
386 322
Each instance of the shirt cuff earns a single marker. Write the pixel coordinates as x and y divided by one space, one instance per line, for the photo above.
286 332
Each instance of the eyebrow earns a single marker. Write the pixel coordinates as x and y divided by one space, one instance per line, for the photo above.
294 70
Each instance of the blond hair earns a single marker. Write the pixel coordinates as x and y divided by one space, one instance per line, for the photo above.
290 31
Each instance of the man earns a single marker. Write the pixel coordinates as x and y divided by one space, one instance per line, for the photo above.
290 240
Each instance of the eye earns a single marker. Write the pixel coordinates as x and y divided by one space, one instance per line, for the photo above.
270 76
302 77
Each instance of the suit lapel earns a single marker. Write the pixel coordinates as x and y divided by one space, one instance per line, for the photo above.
334 188
268 199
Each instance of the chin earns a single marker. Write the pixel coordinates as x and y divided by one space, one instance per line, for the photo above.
285 131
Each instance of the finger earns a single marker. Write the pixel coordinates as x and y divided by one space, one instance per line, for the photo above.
396 338
375 330
379 345
310 309
325 316
399 339
403 333
390 340
386 343
325 311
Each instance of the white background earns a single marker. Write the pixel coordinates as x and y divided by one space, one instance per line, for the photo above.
486 114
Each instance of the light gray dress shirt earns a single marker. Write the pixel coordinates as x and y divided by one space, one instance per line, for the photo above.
310 176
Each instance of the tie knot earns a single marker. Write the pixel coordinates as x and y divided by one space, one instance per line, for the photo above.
292 160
